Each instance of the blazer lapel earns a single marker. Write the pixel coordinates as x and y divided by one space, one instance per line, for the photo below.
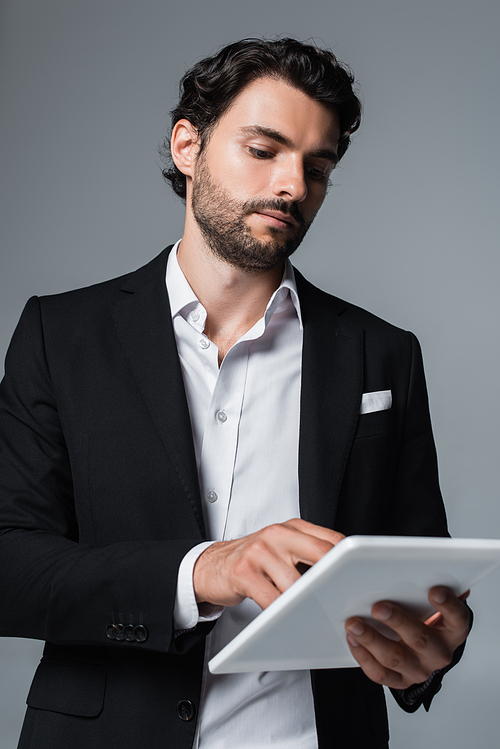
332 386
144 327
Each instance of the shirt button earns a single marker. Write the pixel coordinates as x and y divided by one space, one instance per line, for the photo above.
222 417
212 496
186 710
194 315
204 343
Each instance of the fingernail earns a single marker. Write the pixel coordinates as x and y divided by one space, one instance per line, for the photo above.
352 642
357 628
383 612
439 595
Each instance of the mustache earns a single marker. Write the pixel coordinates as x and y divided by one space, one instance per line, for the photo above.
291 209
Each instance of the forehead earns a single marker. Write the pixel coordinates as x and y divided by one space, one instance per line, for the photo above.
274 104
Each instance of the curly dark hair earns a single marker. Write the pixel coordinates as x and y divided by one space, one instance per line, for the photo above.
208 89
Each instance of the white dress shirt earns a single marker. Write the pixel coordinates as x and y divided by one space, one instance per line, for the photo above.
245 422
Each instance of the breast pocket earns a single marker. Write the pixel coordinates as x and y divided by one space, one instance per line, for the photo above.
374 424
69 688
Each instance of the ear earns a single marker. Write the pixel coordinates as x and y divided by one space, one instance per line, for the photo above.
184 146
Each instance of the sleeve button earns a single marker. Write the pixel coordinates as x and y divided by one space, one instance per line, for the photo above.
140 633
129 633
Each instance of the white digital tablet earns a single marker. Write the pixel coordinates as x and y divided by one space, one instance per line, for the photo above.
304 627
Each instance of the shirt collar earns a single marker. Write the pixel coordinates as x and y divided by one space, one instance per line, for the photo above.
183 300
180 293
287 286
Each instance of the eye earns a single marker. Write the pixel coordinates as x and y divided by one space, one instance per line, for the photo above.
317 174
259 153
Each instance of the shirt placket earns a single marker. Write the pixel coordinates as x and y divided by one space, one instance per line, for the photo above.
220 439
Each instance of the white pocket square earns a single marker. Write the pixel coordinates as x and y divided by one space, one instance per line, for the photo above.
381 400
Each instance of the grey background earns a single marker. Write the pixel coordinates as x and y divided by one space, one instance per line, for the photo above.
409 229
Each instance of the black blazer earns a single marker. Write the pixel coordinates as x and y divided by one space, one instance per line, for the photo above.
99 502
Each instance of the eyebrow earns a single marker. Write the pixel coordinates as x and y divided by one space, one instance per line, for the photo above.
267 132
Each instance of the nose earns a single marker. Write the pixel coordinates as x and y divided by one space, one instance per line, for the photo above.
290 181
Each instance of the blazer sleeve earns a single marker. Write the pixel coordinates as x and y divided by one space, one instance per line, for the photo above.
52 586
417 507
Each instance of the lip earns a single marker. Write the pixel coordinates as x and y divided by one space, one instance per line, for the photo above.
277 218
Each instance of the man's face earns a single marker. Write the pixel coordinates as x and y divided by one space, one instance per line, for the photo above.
263 175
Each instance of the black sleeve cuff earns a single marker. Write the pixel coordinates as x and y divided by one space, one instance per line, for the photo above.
411 698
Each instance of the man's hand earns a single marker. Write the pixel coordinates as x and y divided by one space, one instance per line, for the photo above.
259 566
423 647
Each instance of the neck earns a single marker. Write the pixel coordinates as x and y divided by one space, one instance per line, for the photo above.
234 299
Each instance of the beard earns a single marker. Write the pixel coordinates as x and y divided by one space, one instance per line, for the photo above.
221 220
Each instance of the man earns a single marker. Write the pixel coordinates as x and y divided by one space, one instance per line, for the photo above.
173 452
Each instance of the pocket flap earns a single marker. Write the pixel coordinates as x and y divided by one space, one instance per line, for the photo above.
374 423
70 688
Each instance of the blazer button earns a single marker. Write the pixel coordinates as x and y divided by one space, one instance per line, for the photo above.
186 710
119 632
110 631
140 633
129 633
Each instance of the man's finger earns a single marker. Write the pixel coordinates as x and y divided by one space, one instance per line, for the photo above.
454 614
304 526
372 667
425 646
261 590
390 657
435 618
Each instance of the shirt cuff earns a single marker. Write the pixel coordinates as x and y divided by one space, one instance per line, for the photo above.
187 613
